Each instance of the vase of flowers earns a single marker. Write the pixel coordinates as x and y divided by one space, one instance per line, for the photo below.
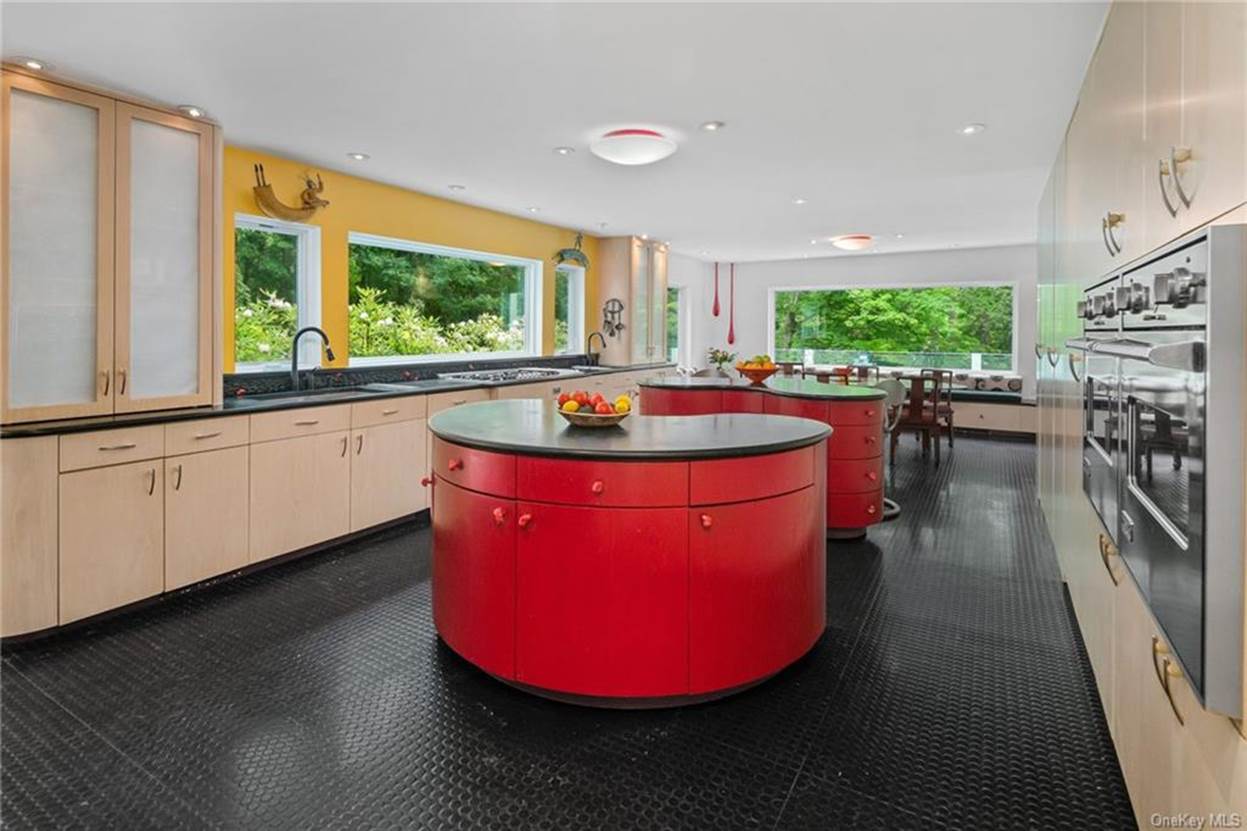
721 358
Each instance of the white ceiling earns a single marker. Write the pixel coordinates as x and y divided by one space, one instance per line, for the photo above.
853 107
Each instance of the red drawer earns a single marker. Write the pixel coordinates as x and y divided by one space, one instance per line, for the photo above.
855 442
659 401
477 470
718 481
854 510
608 484
739 401
854 475
856 412
800 407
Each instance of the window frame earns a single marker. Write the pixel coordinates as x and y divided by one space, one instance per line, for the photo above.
683 325
1013 285
533 299
575 307
307 291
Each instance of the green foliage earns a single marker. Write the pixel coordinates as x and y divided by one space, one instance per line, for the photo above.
265 264
952 320
263 329
444 288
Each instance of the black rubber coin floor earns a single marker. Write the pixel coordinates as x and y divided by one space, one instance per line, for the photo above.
951 690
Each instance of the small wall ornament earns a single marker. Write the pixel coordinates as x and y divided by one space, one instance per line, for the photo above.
612 317
268 203
573 254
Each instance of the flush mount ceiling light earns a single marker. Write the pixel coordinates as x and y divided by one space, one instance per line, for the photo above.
32 63
973 129
713 126
359 157
565 151
853 242
798 201
633 146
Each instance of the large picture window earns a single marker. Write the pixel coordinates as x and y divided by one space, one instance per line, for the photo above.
276 292
569 308
949 327
411 300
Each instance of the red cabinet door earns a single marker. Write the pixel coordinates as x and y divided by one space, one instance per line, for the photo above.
757 587
743 401
606 619
474 576
800 407
602 483
855 442
659 401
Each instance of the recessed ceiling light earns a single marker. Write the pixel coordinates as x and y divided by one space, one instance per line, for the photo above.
33 63
603 225
565 151
852 242
644 236
973 129
359 157
457 187
712 126
191 110
533 209
633 146
798 201
900 236
813 242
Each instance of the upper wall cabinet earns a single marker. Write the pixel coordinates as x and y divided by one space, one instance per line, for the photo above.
108 266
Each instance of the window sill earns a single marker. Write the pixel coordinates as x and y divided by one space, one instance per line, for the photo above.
464 357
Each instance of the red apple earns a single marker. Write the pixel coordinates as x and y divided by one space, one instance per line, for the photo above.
602 408
564 398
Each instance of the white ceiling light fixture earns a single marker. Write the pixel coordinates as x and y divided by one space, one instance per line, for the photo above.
633 146
457 187
33 63
973 129
534 209
712 126
565 151
359 157
798 201
853 242
900 236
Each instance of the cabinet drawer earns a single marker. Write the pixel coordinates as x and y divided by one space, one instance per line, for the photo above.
719 481
445 400
799 407
476 470
112 447
855 442
206 434
287 424
854 510
609 484
407 408
985 416
739 401
856 412
854 475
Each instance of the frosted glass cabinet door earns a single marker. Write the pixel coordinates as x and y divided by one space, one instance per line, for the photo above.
164 260
56 280
641 264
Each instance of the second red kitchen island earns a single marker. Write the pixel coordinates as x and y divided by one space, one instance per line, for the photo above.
661 562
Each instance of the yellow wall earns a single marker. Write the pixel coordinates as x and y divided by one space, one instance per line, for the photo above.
374 208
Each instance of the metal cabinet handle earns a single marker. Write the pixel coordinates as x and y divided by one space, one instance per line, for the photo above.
388 412
199 436
1177 156
307 423
500 516
1051 358
1162 172
1107 549
177 482
121 382
525 519
1112 219
127 446
1104 236
1072 371
344 444
359 444
455 464
107 377
457 402
598 486
1165 670
151 488
425 481
706 521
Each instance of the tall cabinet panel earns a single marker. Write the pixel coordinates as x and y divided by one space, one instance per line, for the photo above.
164 260
634 271
56 275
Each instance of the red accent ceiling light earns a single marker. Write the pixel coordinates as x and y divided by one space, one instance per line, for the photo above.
853 242
633 146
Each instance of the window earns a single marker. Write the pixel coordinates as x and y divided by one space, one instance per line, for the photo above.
276 292
950 327
411 300
675 323
569 308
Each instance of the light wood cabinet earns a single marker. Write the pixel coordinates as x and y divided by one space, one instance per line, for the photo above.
206 515
300 493
109 257
634 271
28 511
111 525
387 464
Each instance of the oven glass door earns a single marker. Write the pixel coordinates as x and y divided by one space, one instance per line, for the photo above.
1102 437
1162 520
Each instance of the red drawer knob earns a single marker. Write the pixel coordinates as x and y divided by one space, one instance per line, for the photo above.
598 486
869 412
871 439
455 464
525 519
871 475
500 516
870 509
706 521
425 481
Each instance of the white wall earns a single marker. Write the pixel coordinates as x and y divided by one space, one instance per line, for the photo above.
1014 264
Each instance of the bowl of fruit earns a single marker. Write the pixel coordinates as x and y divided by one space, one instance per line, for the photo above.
585 410
757 369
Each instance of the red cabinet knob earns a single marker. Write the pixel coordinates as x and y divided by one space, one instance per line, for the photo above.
871 475
706 521
598 486
869 412
525 519
500 516
425 481
455 464
870 509
870 439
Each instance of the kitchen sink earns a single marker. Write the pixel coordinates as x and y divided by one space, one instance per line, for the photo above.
591 369
297 397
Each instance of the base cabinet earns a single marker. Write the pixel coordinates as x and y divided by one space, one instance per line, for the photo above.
111 537
28 512
206 515
300 493
387 463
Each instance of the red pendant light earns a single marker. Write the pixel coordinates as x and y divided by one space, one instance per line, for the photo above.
715 309
731 307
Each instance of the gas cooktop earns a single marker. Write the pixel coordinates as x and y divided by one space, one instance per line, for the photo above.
523 373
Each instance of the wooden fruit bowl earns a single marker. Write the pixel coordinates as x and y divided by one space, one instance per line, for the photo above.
755 375
593 419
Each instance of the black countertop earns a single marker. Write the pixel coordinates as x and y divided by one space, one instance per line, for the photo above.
793 387
247 405
535 428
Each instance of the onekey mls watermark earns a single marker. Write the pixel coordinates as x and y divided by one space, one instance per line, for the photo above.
1197 822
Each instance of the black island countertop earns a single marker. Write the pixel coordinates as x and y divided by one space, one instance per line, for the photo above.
793 387
535 428
263 403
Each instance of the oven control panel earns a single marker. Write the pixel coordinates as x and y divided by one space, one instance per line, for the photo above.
1169 293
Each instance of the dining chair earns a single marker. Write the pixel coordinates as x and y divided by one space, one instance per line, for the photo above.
944 402
919 415
791 368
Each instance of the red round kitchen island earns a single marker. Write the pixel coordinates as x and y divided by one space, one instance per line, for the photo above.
854 451
661 562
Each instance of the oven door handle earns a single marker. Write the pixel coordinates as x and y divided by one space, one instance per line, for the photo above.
1187 355
1080 344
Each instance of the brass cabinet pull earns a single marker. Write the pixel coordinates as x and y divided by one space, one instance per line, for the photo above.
359 444
308 423
389 412
121 382
458 402
199 436
107 377
1177 156
127 446
1107 549
1165 670
177 482
1162 172
345 441
151 488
